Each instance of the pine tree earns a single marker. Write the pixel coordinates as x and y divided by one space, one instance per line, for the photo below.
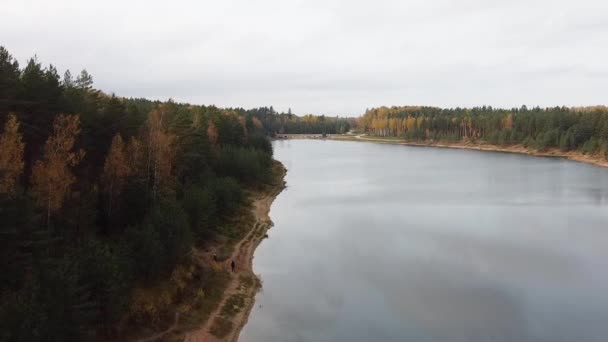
33 80
68 81
84 81
9 76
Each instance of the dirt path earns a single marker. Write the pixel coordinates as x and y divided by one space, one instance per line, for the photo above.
227 320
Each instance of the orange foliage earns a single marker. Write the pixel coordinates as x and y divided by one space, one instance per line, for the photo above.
212 133
149 306
508 122
52 176
161 153
11 156
135 154
257 123
243 123
115 170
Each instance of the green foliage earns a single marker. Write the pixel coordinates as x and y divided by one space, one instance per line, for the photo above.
200 205
53 305
12 239
135 202
261 142
9 76
78 277
169 221
415 134
230 130
228 194
106 269
146 251
547 139
288 123
248 165
568 129
529 142
591 146
566 142
194 150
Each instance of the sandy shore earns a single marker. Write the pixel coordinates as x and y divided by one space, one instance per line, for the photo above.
520 149
243 284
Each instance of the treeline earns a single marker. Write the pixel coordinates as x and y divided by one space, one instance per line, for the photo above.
100 195
584 129
288 123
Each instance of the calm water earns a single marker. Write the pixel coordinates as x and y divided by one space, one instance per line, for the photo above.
394 243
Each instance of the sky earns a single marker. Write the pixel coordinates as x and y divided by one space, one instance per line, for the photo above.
333 57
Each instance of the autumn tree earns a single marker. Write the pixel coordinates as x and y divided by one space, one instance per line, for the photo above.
11 156
115 170
52 177
136 157
243 123
257 123
212 132
164 156
161 153
508 121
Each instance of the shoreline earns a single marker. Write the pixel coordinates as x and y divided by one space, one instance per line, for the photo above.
518 149
222 323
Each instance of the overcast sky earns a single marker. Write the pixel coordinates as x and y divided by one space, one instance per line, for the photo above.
332 57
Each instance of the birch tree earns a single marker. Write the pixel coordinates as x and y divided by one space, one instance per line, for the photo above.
116 170
52 177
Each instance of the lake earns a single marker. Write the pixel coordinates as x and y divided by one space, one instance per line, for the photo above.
378 242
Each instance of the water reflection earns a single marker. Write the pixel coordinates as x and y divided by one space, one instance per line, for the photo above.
394 243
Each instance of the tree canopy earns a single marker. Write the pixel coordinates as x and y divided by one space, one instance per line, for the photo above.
102 195
581 128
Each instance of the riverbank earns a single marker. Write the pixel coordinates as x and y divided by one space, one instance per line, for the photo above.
212 301
230 315
519 149
303 136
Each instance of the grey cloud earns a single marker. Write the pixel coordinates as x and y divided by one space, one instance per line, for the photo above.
332 57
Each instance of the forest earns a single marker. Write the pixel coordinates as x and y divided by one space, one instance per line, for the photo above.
101 196
583 129
289 123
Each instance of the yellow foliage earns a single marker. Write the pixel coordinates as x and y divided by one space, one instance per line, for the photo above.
149 305
52 176
243 123
135 154
257 123
212 133
508 121
115 170
181 277
161 152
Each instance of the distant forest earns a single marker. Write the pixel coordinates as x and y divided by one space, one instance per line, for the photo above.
288 123
102 195
582 129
